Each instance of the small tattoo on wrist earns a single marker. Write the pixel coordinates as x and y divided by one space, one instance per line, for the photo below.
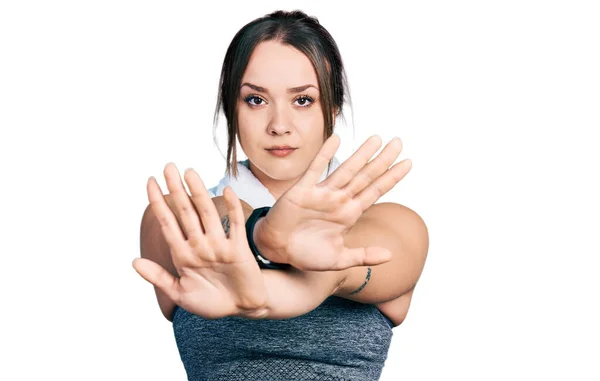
364 284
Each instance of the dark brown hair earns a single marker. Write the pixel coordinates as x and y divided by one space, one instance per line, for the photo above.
304 33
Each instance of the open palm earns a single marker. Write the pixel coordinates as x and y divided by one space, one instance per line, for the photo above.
218 274
307 224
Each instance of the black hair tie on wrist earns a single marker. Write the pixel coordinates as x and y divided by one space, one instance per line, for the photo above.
263 262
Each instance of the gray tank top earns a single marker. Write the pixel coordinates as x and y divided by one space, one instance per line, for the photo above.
340 340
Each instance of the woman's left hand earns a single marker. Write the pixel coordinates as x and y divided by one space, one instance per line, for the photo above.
307 224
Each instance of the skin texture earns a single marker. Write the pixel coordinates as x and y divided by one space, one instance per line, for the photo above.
307 224
276 116
270 114
217 274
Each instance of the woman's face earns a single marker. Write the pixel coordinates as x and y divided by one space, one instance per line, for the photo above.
279 105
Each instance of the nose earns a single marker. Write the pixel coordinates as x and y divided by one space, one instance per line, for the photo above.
281 122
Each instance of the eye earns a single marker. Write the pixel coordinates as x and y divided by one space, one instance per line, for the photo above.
304 100
254 100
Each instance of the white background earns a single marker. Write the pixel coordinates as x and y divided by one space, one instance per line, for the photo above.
497 104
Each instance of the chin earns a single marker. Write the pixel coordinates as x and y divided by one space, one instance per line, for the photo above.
278 172
282 170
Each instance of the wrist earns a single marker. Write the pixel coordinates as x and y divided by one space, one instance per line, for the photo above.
264 243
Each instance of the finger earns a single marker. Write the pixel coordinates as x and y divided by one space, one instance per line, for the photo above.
383 184
374 169
171 204
168 223
170 200
204 204
349 169
237 221
363 256
158 276
184 208
319 163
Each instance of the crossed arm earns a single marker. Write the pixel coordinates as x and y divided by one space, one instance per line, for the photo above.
294 292
388 225
392 226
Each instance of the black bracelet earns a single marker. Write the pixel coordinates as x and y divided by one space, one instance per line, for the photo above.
263 262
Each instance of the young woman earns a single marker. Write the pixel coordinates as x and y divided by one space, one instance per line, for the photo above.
345 267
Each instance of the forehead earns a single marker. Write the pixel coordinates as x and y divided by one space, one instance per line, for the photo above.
274 65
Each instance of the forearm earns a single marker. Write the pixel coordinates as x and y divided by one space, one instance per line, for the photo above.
387 225
294 292
404 234
291 292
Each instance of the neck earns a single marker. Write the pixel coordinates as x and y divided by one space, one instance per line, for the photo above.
275 187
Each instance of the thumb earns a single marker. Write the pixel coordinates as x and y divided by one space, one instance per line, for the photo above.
158 276
364 256
376 255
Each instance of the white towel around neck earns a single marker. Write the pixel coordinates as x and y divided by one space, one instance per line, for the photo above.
248 188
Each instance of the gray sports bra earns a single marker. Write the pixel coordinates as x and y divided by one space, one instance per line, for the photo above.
339 340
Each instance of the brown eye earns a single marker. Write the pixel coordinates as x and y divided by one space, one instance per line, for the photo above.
253 100
304 101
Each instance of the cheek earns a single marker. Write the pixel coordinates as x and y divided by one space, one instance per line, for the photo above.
250 118
312 117
311 123
248 123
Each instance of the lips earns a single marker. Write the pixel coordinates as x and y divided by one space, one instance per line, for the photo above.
281 152
281 147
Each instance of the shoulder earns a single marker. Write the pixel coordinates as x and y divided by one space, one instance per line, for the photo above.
401 218
390 209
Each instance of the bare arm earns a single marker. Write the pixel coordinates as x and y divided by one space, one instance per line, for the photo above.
154 247
389 225
390 285
404 233
291 292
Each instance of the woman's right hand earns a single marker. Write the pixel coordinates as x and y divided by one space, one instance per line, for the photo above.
218 274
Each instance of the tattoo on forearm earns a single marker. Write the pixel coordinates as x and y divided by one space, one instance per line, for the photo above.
364 284
225 224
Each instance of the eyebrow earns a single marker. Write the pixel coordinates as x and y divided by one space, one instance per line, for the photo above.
291 90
